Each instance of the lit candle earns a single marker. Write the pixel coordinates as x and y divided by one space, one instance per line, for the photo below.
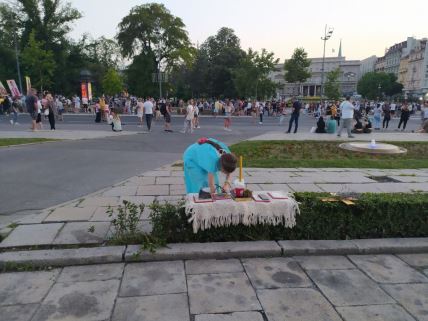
240 168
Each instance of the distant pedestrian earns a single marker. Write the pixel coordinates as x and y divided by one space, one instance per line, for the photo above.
32 107
228 115
148 112
190 113
167 117
386 116
15 111
283 114
297 106
51 111
261 111
405 115
377 117
347 117
140 112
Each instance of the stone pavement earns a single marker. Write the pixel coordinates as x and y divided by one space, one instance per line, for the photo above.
69 223
319 288
379 136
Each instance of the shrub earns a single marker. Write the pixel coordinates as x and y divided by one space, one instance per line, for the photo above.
373 216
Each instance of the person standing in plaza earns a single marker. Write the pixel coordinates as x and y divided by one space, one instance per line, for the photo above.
347 109
283 111
295 113
386 116
261 111
148 112
228 115
405 115
190 113
51 111
167 117
377 116
15 111
32 106
76 105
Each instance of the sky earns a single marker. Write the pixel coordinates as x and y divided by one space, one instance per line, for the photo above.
366 27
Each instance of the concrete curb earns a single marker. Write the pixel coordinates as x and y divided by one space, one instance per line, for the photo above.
220 250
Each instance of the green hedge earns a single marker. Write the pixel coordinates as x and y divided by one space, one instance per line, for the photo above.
373 216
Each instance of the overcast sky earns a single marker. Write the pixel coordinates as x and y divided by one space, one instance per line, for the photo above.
366 27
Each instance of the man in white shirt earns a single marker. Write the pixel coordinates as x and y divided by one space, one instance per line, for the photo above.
190 114
347 117
148 112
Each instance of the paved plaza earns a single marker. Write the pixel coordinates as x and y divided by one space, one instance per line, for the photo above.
318 288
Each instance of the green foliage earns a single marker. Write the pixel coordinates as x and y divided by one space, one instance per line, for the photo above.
251 76
296 68
274 154
139 76
332 85
373 216
375 85
39 63
112 83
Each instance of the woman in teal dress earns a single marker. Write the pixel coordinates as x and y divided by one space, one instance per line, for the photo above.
202 162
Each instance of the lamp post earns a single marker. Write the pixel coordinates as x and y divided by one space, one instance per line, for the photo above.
327 35
349 75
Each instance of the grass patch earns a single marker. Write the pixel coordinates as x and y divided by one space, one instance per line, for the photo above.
20 141
319 154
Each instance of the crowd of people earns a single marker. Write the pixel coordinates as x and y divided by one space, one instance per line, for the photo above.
356 116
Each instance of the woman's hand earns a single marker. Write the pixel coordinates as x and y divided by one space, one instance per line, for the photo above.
211 183
227 187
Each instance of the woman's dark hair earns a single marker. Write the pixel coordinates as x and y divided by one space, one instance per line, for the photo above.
228 161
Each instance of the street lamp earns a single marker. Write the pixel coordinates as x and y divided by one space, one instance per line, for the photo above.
349 75
379 88
327 35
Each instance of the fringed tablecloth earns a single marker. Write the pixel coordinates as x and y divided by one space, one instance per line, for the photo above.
203 216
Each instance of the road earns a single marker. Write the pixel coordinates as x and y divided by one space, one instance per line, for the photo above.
35 177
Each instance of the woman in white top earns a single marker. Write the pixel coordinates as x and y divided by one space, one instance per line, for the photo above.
190 114
228 115
140 112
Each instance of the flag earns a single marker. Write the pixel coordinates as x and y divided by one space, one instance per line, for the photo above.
3 91
13 88
28 82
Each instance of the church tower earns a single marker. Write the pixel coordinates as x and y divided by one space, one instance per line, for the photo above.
340 49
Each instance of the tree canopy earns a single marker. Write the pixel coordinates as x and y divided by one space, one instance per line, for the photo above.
376 85
296 68
332 85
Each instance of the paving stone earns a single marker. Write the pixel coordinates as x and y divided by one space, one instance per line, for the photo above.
394 187
70 214
169 307
392 245
296 305
236 316
275 273
80 301
101 215
169 180
305 188
324 262
87 273
413 297
64 257
410 179
418 187
177 173
177 190
213 266
25 287
78 233
418 260
97 201
320 247
387 269
157 174
121 191
31 235
219 293
216 250
18 312
389 312
37 218
173 199
147 200
275 187
140 180
153 190
348 287
350 188
153 278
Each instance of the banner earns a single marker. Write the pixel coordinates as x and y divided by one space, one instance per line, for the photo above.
13 88
28 82
3 91
84 91
89 91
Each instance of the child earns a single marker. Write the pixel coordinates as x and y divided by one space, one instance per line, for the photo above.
114 121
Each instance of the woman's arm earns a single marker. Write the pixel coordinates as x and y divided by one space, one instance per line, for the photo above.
211 183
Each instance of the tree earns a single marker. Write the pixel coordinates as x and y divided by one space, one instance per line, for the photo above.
39 63
332 85
112 83
250 77
296 68
139 76
152 30
374 85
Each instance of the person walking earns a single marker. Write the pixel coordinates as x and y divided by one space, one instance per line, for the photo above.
283 115
386 116
295 113
228 116
15 111
190 113
167 117
377 116
261 112
405 115
148 112
32 107
51 111
347 116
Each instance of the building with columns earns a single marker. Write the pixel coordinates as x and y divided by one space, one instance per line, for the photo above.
349 75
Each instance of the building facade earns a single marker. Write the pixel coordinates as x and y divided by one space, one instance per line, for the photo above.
349 75
367 65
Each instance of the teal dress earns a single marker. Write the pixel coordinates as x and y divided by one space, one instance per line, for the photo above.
199 161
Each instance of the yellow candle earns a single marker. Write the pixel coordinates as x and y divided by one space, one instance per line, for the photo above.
240 168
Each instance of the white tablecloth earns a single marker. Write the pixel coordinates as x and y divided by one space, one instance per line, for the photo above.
203 216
